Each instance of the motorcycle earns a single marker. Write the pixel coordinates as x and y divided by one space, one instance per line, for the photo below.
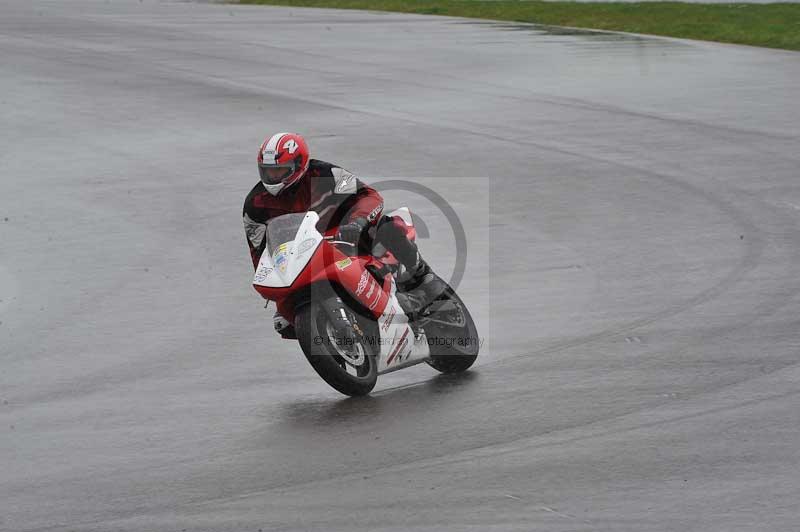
345 310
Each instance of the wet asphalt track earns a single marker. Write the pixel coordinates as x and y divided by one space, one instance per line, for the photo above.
631 206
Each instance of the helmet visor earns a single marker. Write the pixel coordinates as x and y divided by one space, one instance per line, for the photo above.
272 174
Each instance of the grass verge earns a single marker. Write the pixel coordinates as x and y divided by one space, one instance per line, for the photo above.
769 25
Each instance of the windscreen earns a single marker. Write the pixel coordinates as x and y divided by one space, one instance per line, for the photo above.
283 229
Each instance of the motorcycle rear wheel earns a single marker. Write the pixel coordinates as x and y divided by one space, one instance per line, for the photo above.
451 334
343 362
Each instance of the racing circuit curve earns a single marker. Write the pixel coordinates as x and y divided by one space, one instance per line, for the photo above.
631 207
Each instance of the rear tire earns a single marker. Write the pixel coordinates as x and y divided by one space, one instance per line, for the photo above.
318 340
452 334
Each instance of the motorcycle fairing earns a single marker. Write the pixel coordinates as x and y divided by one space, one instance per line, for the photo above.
304 261
399 345
280 269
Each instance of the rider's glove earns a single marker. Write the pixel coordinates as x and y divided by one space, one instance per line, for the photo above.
351 232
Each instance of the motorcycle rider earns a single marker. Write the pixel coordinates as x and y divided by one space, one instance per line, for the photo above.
292 182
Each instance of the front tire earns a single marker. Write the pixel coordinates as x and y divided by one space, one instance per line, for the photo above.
343 362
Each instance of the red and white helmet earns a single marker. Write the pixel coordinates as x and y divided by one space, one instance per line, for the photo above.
282 160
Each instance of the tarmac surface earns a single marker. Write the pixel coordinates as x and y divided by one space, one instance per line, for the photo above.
631 207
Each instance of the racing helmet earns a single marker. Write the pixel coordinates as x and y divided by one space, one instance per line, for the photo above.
282 160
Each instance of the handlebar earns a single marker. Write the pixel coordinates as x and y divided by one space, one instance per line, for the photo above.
332 240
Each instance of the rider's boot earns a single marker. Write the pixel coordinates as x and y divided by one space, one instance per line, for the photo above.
421 289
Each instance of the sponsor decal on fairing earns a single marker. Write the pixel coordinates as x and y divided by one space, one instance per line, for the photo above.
371 289
305 245
375 301
389 318
262 273
398 348
362 283
281 258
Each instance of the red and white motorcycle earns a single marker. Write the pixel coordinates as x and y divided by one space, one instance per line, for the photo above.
346 315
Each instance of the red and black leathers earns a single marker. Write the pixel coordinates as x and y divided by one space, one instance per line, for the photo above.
332 192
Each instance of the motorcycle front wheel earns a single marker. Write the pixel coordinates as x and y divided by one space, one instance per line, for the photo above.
339 358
